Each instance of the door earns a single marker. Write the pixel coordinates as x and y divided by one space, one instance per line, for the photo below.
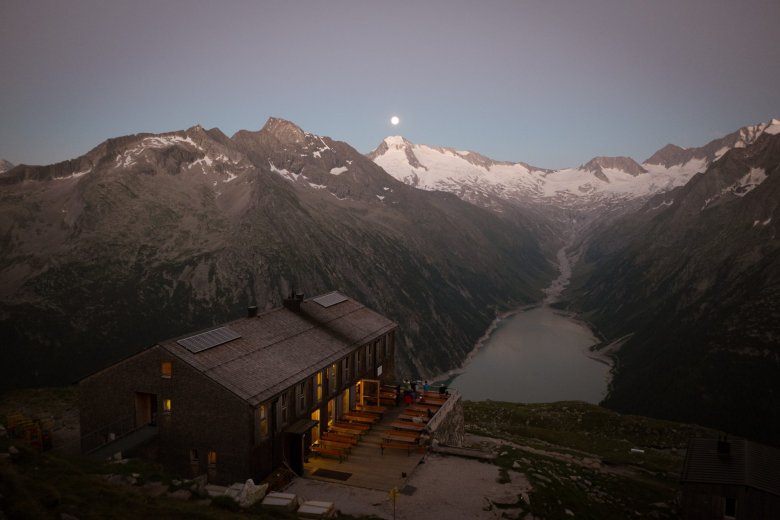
296 451
145 408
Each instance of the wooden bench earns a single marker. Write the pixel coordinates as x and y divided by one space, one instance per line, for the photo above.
352 417
340 437
372 409
333 452
422 408
397 446
421 417
337 445
347 432
406 425
366 413
399 436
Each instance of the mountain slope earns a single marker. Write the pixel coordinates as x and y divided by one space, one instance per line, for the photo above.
148 236
692 280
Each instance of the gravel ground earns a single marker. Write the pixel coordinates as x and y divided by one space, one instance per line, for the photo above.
441 487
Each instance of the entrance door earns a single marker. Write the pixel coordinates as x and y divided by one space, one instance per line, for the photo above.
145 408
296 451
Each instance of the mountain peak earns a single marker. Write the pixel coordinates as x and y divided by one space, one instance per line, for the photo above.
397 141
5 165
284 130
626 164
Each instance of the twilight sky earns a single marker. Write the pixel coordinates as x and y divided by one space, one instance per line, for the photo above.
549 82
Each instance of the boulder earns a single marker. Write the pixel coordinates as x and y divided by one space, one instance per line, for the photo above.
251 493
198 486
181 494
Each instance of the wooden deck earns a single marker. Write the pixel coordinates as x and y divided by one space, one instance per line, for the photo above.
366 465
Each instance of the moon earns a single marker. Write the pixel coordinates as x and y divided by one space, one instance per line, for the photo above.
395 120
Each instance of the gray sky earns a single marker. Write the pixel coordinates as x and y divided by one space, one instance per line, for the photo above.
549 82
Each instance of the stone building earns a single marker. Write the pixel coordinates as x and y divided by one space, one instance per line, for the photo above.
730 479
238 400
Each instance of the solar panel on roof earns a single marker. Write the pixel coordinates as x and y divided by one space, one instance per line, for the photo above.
330 299
208 339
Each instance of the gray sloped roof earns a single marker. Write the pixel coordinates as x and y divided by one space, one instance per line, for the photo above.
280 347
746 464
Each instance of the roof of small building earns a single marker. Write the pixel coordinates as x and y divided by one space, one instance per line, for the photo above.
278 348
744 463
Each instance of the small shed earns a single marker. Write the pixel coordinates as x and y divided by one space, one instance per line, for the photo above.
730 479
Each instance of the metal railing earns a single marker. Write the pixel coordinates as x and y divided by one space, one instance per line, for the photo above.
105 434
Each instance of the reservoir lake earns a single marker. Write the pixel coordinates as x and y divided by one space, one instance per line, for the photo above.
535 356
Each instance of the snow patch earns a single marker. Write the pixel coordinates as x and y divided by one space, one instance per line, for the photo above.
742 187
663 204
74 175
128 157
760 223
721 152
338 171
774 127
317 153
230 176
380 197
317 186
286 174
749 182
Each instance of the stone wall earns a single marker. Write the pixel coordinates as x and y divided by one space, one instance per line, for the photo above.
447 425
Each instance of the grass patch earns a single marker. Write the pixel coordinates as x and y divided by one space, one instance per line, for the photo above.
579 461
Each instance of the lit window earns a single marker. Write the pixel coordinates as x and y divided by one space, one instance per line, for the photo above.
263 414
166 369
319 387
212 458
166 405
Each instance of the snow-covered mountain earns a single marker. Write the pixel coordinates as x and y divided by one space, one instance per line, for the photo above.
5 165
603 181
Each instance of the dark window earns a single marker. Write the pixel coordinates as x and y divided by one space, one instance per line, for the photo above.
730 507
285 403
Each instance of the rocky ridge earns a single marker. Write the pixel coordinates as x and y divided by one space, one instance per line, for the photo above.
150 236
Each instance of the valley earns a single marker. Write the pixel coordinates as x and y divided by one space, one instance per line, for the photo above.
149 236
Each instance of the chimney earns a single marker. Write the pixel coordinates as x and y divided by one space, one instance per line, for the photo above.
251 311
293 302
724 446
